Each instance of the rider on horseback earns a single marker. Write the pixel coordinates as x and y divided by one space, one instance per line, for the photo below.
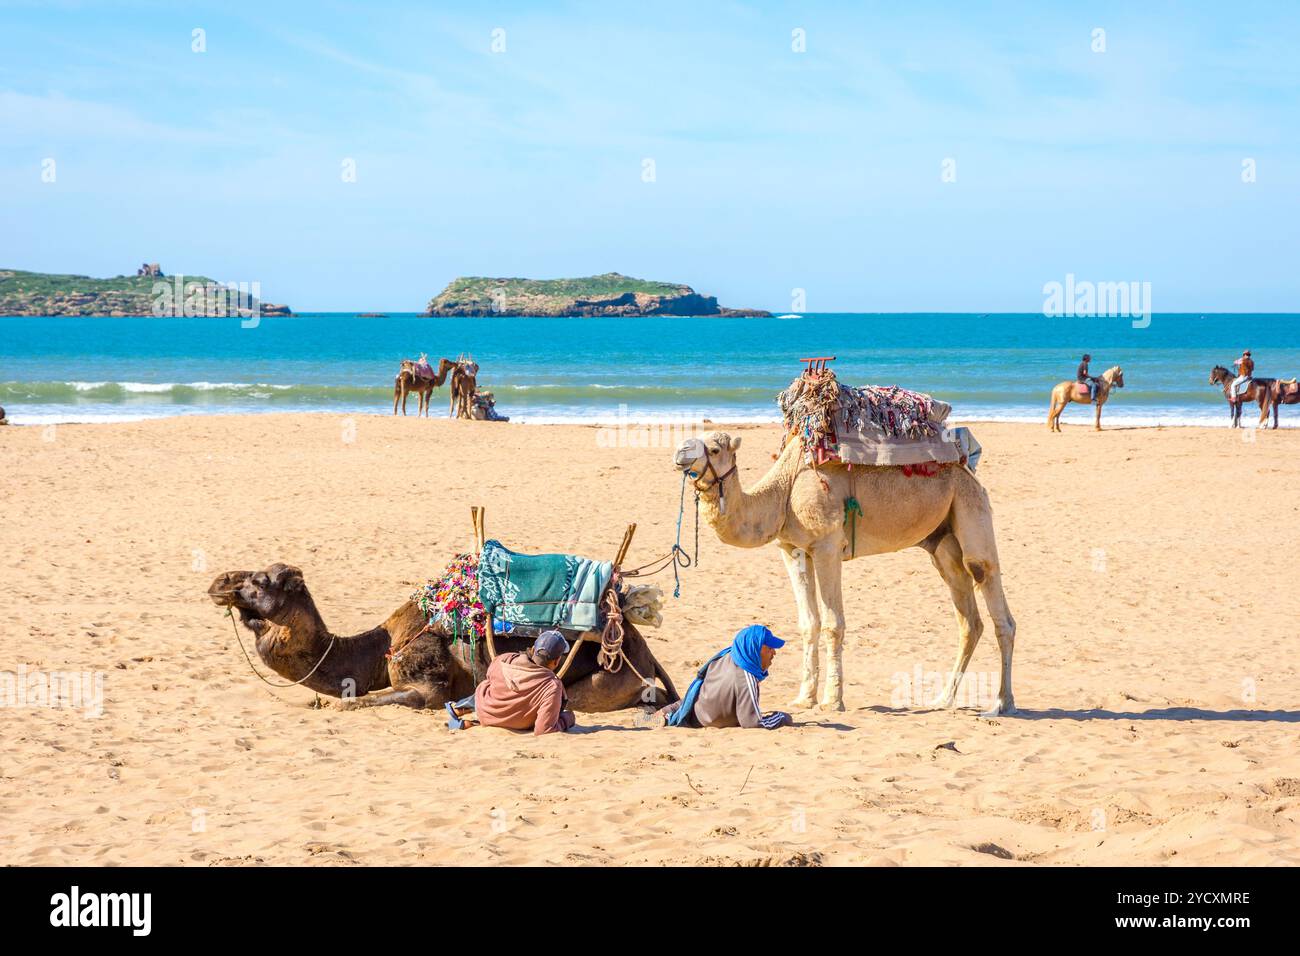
1083 378
1245 367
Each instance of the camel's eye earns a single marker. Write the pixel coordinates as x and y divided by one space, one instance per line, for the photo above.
715 450
261 580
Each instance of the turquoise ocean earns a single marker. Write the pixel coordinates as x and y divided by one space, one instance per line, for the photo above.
989 366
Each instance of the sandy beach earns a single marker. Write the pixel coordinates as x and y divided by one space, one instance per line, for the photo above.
1155 668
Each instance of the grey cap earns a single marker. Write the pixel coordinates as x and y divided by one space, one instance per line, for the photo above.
550 645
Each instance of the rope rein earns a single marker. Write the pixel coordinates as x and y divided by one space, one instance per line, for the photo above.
677 557
231 614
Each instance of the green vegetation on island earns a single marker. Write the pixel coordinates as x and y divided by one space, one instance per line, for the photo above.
151 294
609 294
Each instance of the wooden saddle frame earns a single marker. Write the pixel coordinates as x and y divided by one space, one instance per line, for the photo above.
480 538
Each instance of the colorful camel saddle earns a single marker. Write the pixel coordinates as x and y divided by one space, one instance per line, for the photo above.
870 425
551 590
423 369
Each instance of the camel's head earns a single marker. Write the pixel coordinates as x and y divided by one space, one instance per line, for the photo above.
260 596
706 460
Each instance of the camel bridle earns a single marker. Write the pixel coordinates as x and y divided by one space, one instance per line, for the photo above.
707 478
709 472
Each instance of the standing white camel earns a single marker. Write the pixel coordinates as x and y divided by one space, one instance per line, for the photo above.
803 510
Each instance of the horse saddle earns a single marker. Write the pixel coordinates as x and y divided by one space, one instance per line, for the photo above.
1291 387
1082 392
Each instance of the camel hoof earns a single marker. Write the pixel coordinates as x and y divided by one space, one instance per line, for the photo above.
1000 709
831 706
802 703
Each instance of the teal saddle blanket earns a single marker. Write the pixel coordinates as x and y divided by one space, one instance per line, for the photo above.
548 590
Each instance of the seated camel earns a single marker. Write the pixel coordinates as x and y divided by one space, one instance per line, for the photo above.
402 662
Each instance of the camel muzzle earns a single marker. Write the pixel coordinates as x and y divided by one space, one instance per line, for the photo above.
689 453
224 591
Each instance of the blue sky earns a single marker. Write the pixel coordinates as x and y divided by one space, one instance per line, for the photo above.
773 169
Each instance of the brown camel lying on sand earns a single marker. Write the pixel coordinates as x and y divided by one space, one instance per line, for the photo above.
426 668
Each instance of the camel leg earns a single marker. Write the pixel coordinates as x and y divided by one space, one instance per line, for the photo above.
407 698
973 526
827 565
1004 625
805 599
947 558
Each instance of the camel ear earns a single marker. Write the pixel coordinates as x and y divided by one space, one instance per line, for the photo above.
287 578
735 443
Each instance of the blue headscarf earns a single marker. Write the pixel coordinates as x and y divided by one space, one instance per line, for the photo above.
747 644
744 650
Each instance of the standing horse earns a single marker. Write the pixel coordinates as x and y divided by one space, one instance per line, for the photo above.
1067 392
1258 391
1283 393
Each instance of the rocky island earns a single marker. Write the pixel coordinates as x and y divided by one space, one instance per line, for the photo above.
147 293
609 294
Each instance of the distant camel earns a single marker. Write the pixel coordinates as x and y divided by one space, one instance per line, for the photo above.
464 383
409 380
1258 391
1067 392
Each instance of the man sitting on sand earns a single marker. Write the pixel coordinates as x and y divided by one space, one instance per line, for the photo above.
521 691
725 691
